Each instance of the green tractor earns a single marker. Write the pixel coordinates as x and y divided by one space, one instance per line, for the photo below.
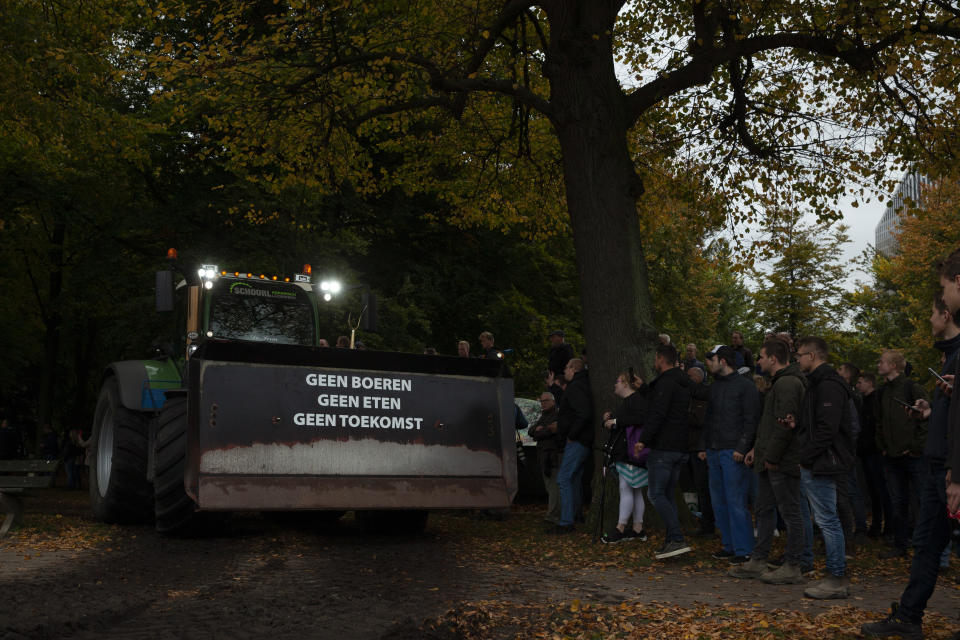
250 413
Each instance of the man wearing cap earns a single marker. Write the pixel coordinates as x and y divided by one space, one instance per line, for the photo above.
730 427
560 353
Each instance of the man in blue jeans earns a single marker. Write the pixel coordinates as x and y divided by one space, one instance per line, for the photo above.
932 532
826 455
730 428
575 424
665 432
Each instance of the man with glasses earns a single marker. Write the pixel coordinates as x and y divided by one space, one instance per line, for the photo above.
826 455
549 452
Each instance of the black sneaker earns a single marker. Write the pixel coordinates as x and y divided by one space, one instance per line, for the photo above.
739 559
561 529
614 537
723 554
633 535
892 625
671 549
893 552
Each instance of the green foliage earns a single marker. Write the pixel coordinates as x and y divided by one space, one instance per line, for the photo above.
800 292
893 311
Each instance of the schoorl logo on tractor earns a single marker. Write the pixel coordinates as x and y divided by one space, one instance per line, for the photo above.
244 289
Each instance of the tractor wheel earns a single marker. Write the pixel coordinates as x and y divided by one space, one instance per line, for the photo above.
175 511
117 457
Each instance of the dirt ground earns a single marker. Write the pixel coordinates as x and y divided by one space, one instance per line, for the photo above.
64 576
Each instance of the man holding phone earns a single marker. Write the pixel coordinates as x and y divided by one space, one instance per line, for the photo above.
901 436
932 532
950 281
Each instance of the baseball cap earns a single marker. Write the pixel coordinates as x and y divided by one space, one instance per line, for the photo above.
724 352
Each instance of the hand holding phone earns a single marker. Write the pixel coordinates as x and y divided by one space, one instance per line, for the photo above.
939 377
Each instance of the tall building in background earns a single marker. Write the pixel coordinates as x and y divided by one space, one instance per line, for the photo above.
908 189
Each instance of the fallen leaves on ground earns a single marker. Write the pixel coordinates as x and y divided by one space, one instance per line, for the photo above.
59 533
579 620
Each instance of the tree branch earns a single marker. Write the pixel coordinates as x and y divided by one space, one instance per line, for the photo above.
700 69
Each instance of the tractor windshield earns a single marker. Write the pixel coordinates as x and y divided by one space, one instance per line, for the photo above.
271 313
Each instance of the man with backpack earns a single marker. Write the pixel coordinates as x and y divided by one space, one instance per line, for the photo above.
901 437
825 433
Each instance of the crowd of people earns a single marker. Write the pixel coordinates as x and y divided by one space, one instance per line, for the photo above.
774 443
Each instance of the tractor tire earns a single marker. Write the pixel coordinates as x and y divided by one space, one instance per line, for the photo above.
175 511
117 456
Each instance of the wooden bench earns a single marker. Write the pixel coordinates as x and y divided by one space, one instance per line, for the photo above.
18 476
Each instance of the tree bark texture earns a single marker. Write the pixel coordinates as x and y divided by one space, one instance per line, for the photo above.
592 121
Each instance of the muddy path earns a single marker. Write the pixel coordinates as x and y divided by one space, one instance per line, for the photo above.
267 577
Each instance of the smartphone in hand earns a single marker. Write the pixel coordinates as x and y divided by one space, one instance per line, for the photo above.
939 377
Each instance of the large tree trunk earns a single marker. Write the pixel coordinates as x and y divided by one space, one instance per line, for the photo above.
602 188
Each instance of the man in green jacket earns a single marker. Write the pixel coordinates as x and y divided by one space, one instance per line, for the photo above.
901 436
776 459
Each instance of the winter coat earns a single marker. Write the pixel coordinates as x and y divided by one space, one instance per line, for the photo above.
896 430
869 411
668 412
732 415
576 411
699 399
560 355
826 429
936 446
549 443
776 442
953 427
632 412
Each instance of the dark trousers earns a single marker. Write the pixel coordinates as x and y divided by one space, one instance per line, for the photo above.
701 481
663 471
856 501
777 490
903 479
880 505
930 536
845 509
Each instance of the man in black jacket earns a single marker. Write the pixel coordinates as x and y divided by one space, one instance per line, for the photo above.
932 533
575 423
871 458
549 452
826 456
728 434
665 432
950 281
